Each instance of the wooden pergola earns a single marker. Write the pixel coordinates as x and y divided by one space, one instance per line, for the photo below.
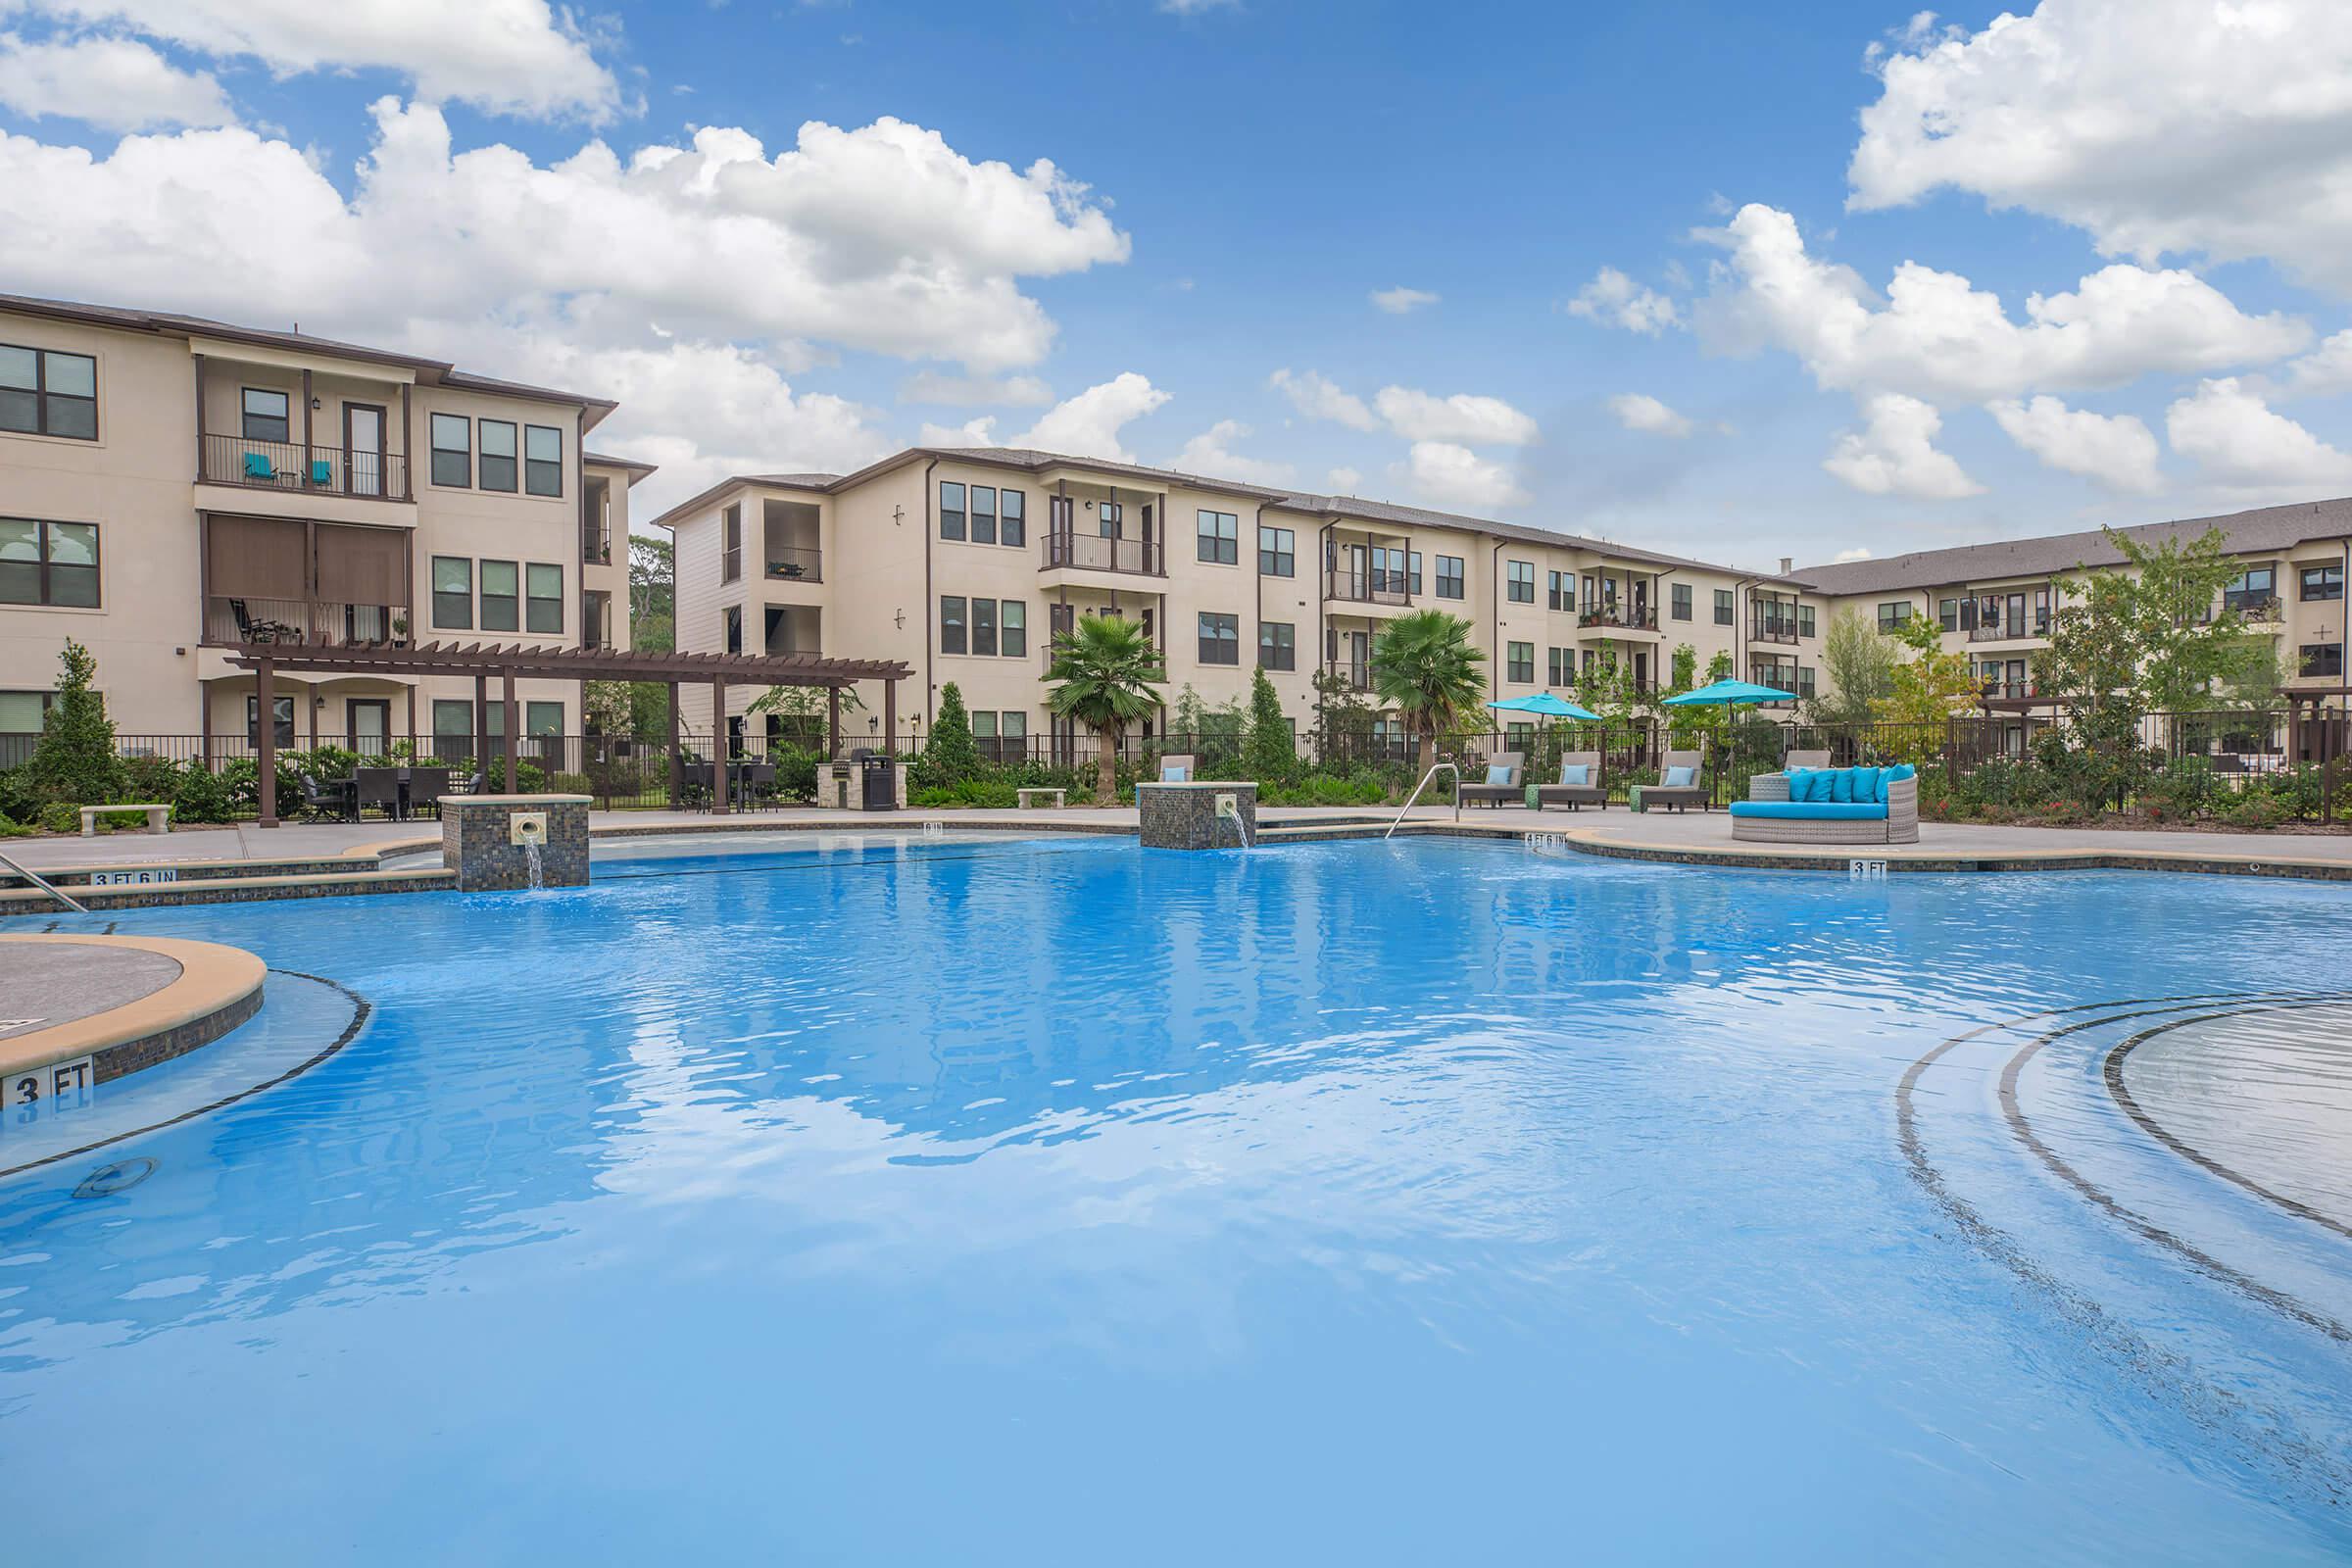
508 662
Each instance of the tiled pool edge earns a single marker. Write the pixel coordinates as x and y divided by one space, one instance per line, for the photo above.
217 988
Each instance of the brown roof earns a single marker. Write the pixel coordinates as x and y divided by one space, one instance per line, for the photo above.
604 459
2263 529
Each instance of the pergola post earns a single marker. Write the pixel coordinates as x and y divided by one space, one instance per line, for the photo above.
513 731
832 724
719 757
265 693
678 764
890 719
481 726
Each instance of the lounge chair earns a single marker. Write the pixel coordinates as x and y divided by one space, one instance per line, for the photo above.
1176 769
1861 805
1690 791
1508 791
1586 790
1796 759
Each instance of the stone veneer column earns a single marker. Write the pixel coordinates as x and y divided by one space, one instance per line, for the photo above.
478 842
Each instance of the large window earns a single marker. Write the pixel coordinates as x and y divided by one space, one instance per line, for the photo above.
1013 525
1681 601
1520 578
542 460
951 509
1221 637
951 624
1560 666
43 392
984 627
730 544
544 610
1520 665
281 712
453 728
1727 607
543 718
453 593
54 564
2320 659
498 454
1894 614
502 599
453 449
983 510
1220 540
1449 576
22 712
264 414
1277 552
1804 621
1413 578
2254 589
1559 590
1012 626
1277 645
2320 582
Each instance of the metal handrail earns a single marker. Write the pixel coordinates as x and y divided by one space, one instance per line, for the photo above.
1441 767
42 882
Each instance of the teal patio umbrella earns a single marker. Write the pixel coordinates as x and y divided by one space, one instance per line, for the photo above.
1728 693
1546 704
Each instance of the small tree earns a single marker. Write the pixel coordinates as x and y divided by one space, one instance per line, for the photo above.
950 758
1102 675
1342 716
1425 667
76 762
1925 691
1189 716
1683 671
1719 667
1266 750
1860 661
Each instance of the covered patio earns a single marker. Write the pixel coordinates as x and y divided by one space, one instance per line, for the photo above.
505 663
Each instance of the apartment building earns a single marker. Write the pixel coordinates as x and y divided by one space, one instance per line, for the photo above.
170 486
964 561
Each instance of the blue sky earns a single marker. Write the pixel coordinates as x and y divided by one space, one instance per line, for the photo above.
1230 187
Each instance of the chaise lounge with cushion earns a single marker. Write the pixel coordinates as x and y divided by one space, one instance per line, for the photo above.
1502 786
1678 784
1829 806
1580 783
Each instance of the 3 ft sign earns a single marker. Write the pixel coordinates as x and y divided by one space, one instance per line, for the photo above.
56 1086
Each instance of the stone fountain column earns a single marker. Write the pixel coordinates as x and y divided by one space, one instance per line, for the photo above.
485 839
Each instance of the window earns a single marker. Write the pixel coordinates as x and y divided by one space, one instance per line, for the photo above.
543 718
500 596
730 629
2255 588
1894 614
265 415
545 610
22 712
950 623
2320 659
46 393
1449 576
1725 606
951 509
1521 578
541 460
498 454
1522 659
1414 557
1110 520
53 564
2321 582
984 627
1013 629
1947 614
982 515
281 721
1013 521
1559 588
453 593
1277 552
1220 636
453 449
1559 664
1804 621
1220 539
453 728
730 544
1277 645
1804 687
1681 599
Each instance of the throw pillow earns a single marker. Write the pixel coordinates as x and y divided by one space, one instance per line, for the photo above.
1678 778
1575 774
1497 773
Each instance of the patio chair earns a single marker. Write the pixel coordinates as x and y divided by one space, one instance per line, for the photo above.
1502 786
1580 783
379 787
1176 769
337 797
1807 759
426 786
1678 785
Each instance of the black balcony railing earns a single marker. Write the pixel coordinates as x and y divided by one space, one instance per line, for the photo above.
1093 553
1367 587
306 469
1772 631
2003 628
315 623
2253 606
1356 673
787 563
1612 617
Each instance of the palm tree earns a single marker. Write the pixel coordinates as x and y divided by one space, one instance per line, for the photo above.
1426 667
1103 673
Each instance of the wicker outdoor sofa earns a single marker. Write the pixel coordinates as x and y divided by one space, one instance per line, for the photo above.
1864 806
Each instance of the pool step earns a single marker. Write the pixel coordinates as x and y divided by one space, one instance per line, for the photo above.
28 900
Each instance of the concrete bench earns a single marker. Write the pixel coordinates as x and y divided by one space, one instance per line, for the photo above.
1028 796
159 816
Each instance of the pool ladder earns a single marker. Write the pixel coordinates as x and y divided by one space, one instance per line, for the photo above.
1441 767
42 882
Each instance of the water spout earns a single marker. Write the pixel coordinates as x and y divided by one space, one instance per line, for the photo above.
531 852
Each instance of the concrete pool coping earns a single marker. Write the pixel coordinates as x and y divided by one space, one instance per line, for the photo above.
151 1017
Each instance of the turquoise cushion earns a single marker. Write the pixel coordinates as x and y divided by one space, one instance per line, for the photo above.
1900 770
1803 781
1842 786
257 467
1866 785
1678 778
1497 773
1175 775
1576 774
1818 783
1811 811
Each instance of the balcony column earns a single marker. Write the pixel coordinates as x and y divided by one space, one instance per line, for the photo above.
513 735
265 692
199 416
307 433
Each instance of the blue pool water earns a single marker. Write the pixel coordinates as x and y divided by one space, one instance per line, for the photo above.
1422 1202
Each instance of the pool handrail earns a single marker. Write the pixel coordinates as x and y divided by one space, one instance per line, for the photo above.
1441 767
42 882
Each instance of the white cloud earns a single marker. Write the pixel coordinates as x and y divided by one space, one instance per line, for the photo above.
1845 557
2157 126
2243 446
1639 411
2116 450
519 56
975 391
2325 372
1940 339
1616 300
1315 396
1456 478
1194 8
980 432
1463 416
1088 425
1343 481
1211 455
1402 301
114 84
1896 453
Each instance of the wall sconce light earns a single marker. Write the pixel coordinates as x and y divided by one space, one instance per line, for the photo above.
317 404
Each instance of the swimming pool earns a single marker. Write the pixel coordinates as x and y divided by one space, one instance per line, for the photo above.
1422 1201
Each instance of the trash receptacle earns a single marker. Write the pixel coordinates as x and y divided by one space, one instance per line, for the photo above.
878 786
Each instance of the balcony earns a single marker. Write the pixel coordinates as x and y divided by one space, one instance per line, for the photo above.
231 619
1772 631
787 563
1611 618
1355 672
2254 607
1366 587
2009 628
1093 552
2010 691
292 466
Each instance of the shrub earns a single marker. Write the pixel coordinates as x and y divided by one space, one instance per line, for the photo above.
2184 788
60 816
2255 810
568 784
75 760
200 794
949 758
14 830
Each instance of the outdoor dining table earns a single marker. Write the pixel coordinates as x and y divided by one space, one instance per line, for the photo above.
402 780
